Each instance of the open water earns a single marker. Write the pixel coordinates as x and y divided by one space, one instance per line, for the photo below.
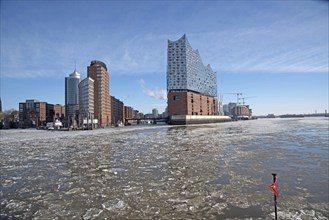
211 171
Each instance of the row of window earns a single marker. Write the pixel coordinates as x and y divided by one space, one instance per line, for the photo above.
173 61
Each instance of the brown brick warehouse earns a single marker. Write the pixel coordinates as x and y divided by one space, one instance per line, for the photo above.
190 103
33 113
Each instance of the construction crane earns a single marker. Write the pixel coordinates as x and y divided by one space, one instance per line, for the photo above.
243 98
237 96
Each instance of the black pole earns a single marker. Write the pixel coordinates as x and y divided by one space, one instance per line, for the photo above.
275 203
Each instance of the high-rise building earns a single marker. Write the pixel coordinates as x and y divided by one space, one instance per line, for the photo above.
155 113
86 99
72 96
191 86
102 100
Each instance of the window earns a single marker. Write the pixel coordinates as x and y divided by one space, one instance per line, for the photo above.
176 97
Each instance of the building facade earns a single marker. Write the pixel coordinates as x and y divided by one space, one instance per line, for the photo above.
228 108
155 113
138 114
191 86
191 103
117 111
102 100
72 96
54 112
86 98
241 111
128 112
32 113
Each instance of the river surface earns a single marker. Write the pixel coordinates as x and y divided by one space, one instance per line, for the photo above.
211 171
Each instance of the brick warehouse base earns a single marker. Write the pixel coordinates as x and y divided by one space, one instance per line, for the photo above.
197 119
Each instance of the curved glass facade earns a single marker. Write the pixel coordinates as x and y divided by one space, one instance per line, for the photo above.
185 70
72 93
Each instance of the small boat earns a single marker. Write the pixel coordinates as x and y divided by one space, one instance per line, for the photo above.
119 124
58 124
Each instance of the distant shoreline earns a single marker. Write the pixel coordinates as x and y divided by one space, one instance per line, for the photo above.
294 115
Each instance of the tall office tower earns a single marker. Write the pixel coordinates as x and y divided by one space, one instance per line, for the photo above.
72 96
86 99
102 105
191 86
155 113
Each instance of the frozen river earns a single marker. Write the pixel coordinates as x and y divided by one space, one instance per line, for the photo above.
213 171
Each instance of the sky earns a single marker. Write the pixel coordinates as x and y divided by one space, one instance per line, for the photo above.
273 52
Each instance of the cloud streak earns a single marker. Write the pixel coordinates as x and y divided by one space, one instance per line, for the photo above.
268 41
141 54
263 49
160 94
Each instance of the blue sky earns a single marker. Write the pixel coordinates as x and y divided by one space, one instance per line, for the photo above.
273 51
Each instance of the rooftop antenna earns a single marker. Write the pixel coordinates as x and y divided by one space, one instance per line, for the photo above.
75 65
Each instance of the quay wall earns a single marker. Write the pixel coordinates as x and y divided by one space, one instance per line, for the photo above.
197 119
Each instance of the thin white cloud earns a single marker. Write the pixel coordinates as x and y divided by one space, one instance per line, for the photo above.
286 44
253 50
156 93
307 60
263 50
144 53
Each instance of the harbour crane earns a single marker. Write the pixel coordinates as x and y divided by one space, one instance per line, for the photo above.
237 96
243 98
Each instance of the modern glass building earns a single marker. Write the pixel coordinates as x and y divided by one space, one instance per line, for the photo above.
185 70
191 86
72 94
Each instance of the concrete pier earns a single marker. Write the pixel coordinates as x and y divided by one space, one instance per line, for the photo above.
197 119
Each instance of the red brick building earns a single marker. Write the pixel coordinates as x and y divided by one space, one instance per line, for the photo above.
32 113
102 100
241 110
56 111
191 103
128 112
117 109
